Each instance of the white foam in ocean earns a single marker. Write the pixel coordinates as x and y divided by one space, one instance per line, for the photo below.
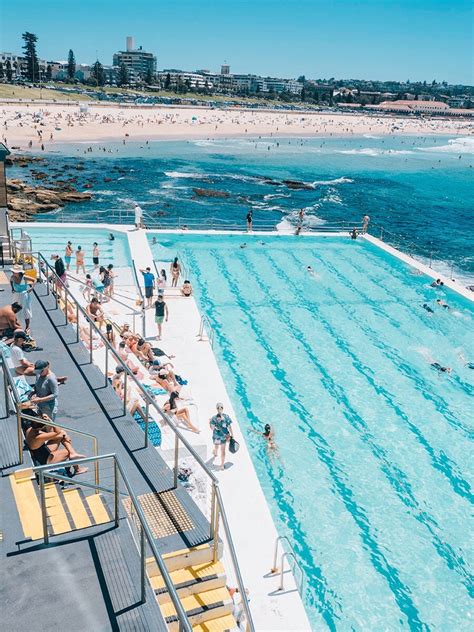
183 174
373 152
106 192
455 146
342 180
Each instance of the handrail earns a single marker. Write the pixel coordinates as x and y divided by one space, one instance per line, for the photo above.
149 402
285 554
144 531
210 336
243 592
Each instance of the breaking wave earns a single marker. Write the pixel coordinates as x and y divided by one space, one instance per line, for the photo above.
454 146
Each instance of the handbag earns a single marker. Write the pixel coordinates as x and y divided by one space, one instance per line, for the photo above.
233 445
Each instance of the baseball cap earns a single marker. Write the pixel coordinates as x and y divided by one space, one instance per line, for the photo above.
20 335
40 365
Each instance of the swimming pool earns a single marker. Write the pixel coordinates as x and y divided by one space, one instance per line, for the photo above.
53 241
373 483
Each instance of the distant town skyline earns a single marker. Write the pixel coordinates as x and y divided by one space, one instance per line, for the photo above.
407 39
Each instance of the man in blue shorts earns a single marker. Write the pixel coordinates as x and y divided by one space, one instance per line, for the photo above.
149 281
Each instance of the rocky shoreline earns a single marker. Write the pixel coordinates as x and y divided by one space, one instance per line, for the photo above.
26 200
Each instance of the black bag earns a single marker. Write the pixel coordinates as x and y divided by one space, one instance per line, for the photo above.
233 445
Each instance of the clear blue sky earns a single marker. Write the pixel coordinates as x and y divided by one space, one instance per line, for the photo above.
368 39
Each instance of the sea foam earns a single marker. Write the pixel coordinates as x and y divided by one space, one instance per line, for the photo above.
454 146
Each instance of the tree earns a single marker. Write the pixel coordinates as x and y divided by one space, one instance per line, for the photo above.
2 74
122 79
301 79
168 82
32 67
98 74
149 78
49 72
71 65
8 70
303 94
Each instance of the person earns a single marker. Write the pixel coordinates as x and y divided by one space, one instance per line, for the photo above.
80 260
310 270
138 217
428 308
161 313
365 223
144 352
175 270
110 268
180 413
60 268
442 304
440 368
94 310
68 254
158 367
221 426
104 276
354 233
110 334
46 389
87 288
17 362
249 220
22 289
50 444
187 289
301 214
269 437
95 254
437 283
111 237
149 282
163 277
8 319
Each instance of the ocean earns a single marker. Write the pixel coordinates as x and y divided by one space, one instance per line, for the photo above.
420 189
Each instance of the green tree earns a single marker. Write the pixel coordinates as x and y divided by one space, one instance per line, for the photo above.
71 65
168 82
29 47
122 79
2 73
303 94
98 74
149 78
49 72
8 70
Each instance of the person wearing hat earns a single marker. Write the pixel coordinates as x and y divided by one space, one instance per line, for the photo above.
22 286
221 426
8 319
46 389
19 364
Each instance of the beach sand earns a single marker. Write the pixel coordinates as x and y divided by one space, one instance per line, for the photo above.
35 126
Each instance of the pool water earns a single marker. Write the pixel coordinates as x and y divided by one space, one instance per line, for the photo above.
373 479
53 241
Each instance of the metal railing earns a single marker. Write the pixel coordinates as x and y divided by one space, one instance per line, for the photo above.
206 325
56 287
145 535
281 570
142 297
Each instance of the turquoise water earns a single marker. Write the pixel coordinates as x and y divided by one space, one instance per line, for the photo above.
53 241
374 481
419 188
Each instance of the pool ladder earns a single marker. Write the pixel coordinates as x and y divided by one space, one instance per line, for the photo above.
290 555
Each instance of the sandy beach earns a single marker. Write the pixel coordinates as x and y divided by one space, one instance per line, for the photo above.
37 126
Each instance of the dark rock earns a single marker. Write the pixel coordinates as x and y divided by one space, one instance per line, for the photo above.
210 193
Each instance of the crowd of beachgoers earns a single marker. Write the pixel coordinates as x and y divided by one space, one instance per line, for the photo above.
35 126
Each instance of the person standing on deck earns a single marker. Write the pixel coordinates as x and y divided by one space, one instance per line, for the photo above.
68 255
46 389
161 313
80 260
249 221
95 254
221 426
22 289
138 217
365 223
149 281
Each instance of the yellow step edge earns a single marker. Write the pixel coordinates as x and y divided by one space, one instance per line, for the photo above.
54 508
22 474
28 507
192 602
78 512
189 574
184 551
222 624
98 511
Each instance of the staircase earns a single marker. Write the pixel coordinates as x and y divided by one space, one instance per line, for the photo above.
66 509
201 586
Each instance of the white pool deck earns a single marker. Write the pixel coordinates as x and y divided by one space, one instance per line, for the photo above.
253 531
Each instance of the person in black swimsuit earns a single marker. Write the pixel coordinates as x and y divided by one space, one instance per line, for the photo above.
440 368
428 308
50 444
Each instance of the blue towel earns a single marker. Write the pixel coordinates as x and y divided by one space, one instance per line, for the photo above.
154 430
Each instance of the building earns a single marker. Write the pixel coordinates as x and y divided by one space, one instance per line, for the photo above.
172 78
421 107
138 62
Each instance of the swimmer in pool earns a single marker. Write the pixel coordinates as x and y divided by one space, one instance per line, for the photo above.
269 437
442 304
437 283
310 270
428 308
244 245
440 368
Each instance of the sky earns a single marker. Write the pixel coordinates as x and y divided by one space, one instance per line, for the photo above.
366 39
